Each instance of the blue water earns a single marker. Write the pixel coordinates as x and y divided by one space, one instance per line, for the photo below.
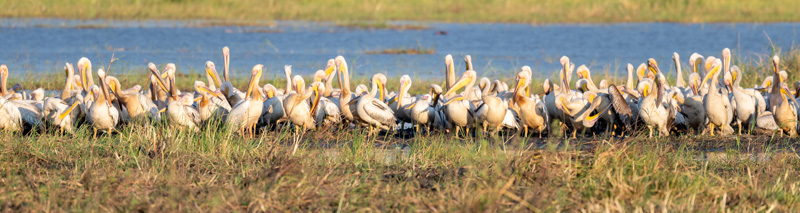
43 45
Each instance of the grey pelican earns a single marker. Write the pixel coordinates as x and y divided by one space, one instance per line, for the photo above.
325 112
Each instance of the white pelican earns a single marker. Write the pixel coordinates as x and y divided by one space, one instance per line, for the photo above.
210 103
138 106
345 96
744 103
716 109
532 112
102 114
296 105
374 112
245 114
212 76
784 112
460 111
401 100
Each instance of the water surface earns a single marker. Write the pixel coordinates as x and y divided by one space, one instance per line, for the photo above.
43 45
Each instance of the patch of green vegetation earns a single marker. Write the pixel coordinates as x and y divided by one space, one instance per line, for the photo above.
523 11
419 50
157 168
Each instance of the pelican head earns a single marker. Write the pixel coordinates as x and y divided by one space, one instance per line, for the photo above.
727 79
318 89
211 73
523 79
448 63
319 76
694 82
695 61
341 64
330 67
652 65
641 72
712 65
405 84
226 58
270 90
201 88
169 70
645 86
726 58
468 62
3 78
583 72
468 77
85 69
255 76
484 82
299 84
380 80
776 61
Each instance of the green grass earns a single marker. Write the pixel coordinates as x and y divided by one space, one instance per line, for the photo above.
250 12
158 169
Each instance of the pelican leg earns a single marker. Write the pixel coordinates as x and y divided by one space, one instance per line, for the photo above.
711 128
740 127
525 127
95 133
649 131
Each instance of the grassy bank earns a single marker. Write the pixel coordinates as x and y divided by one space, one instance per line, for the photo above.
537 11
158 169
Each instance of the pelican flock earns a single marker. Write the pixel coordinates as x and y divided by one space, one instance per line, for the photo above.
708 100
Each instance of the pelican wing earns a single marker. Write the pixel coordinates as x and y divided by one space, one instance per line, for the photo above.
510 120
193 115
332 112
621 106
380 112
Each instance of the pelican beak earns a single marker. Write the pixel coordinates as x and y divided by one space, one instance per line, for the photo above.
213 73
646 89
729 85
402 93
329 69
709 75
69 110
197 99
253 79
159 80
270 94
381 87
520 85
459 98
694 89
83 77
162 110
317 96
410 106
564 106
463 81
